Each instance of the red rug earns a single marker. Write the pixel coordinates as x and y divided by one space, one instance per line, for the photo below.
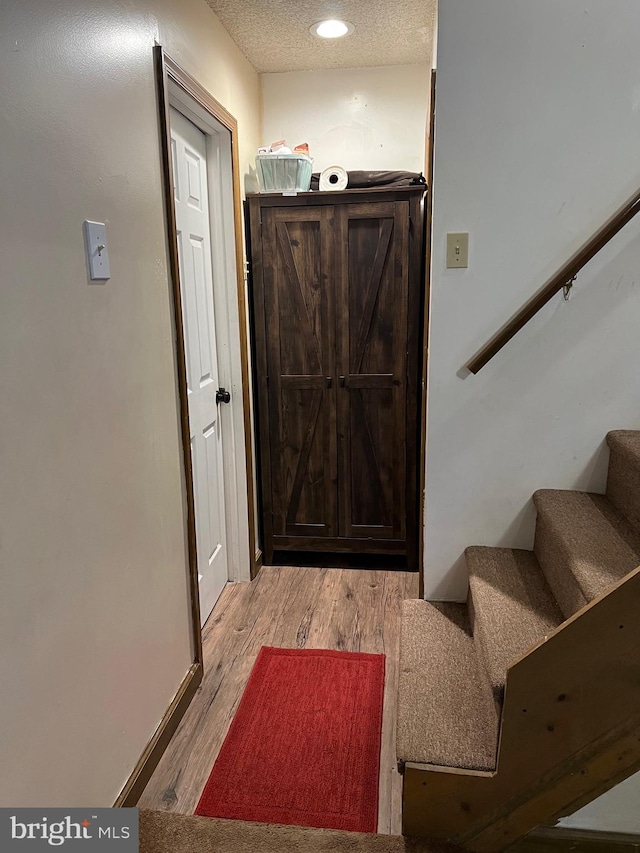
304 745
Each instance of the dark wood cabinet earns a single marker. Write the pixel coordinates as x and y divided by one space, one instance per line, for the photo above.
336 314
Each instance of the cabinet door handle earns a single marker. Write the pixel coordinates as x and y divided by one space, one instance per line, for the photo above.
328 380
342 382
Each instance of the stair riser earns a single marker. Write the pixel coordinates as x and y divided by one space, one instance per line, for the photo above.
555 562
481 646
623 485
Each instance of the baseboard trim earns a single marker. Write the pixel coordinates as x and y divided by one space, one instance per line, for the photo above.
148 761
546 839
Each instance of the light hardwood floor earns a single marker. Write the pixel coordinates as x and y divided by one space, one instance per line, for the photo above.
350 610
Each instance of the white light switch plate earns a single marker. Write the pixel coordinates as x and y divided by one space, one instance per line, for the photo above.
97 253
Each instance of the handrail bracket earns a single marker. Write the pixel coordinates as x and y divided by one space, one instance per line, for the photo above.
566 289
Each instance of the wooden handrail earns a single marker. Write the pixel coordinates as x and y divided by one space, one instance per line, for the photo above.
564 277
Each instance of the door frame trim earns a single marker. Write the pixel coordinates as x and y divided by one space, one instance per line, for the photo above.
422 452
166 71
169 74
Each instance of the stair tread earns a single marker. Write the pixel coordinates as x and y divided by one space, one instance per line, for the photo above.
446 712
169 832
513 607
599 546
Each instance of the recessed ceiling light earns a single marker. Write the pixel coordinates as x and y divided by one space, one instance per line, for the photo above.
331 29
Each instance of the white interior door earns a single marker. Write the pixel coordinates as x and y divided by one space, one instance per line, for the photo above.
189 150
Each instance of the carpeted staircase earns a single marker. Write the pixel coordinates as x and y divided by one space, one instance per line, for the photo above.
164 832
454 657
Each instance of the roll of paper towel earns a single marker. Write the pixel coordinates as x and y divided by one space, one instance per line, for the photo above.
333 178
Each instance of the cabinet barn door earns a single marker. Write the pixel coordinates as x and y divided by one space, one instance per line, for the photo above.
372 368
298 274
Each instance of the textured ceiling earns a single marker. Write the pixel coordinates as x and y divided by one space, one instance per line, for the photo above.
274 34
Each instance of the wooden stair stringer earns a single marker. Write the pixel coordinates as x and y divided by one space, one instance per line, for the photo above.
570 731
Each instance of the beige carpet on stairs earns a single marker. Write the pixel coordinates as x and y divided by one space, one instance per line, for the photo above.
623 481
583 544
511 606
164 832
446 712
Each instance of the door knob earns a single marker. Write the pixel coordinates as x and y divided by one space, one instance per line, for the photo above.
222 395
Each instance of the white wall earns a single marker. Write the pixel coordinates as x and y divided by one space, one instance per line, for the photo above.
93 606
359 118
537 140
615 811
